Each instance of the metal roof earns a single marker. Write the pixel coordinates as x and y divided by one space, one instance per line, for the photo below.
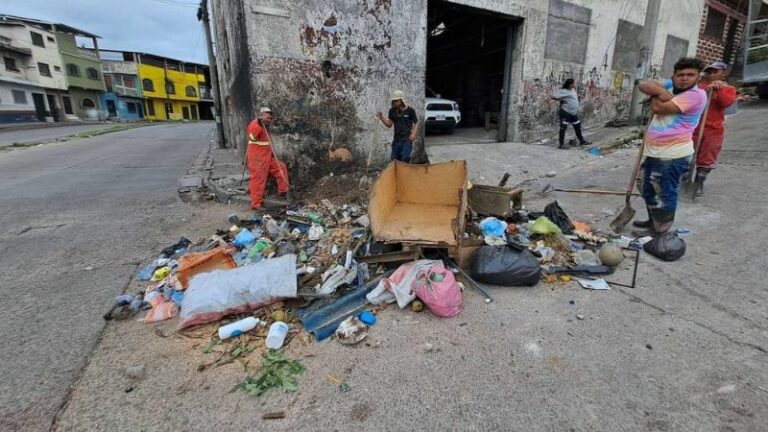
59 26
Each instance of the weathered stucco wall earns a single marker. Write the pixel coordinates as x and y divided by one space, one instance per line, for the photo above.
326 67
329 65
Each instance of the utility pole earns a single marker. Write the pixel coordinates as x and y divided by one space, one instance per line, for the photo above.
202 15
645 60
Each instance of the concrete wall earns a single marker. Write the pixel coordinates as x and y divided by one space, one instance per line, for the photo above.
330 64
330 67
12 112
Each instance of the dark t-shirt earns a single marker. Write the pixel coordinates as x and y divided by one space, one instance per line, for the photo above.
403 121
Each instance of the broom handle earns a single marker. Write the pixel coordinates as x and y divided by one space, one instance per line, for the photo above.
700 136
639 159
282 173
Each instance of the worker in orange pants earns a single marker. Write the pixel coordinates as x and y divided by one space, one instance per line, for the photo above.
261 160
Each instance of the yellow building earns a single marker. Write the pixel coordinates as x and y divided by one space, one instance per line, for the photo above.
171 88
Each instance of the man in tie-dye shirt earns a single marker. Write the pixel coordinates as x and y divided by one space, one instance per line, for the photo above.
677 105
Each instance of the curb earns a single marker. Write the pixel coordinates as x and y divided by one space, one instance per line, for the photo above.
41 125
198 177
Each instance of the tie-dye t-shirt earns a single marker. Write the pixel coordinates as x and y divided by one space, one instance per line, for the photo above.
670 136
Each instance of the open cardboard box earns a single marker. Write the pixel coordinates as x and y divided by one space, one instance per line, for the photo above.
420 204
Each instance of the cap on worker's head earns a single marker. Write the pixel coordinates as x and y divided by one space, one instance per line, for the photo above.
719 64
265 110
398 95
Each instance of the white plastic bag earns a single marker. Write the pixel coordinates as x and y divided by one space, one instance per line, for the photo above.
213 295
402 283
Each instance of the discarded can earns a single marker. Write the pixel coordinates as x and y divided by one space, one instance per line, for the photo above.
276 336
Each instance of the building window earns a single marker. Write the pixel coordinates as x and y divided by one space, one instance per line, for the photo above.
50 39
44 69
73 70
92 73
87 103
150 108
169 108
57 68
128 82
715 23
19 97
67 105
148 85
131 107
10 64
108 83
37 39
170 88
191 91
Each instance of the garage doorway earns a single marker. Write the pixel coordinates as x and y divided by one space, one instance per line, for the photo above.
469 62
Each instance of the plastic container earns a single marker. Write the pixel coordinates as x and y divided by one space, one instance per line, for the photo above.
237 328
276 336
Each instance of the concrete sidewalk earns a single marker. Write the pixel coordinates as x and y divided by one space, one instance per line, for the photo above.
683 351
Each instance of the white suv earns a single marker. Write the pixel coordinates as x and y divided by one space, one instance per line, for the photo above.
442 114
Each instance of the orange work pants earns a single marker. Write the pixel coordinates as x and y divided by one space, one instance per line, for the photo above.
262 164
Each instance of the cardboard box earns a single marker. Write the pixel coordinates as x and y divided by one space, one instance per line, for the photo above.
420 204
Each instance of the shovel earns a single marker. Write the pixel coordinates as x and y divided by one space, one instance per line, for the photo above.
628 213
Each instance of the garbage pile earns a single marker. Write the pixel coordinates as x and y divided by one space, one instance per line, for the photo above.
324 270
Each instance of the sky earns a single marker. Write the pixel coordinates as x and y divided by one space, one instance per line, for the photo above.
165 27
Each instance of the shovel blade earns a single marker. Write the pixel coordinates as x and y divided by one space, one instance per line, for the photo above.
623 218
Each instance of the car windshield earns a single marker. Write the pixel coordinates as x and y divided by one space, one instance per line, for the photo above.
439 107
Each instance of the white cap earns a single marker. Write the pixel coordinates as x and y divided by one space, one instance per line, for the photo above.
265 110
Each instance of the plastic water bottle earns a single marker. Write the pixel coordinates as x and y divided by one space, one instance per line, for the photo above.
276 336
237 328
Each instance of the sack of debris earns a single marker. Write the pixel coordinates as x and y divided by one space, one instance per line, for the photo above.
440 292
219 293
668 246
505 265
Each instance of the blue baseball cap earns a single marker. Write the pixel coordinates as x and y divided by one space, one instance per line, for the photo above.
719 64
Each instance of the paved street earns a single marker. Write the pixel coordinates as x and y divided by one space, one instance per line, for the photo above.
47 134
76 219
685 350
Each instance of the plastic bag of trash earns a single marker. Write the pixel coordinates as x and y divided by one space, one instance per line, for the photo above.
402 284
668 246
493 227
504 265
557 215
213 295
438 290
542 225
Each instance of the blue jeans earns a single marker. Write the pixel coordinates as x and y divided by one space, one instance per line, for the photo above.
661 187
401 149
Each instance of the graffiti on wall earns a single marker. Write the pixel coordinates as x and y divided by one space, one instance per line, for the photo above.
602 97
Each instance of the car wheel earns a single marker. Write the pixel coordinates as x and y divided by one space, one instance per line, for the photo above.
762 91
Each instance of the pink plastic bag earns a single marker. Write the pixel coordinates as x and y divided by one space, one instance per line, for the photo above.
438 290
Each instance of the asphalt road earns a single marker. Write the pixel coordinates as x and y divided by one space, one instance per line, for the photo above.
76 218
47 134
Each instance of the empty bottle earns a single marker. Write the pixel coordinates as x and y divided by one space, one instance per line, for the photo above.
237 328
276 336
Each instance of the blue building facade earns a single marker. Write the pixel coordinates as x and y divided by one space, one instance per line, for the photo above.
122 108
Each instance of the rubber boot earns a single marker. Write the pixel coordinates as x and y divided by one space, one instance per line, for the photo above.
701 176
644 223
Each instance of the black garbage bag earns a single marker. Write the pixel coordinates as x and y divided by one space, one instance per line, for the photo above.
505 265
668 246
556 214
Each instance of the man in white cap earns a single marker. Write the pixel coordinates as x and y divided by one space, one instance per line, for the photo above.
723 95
406 124
261 160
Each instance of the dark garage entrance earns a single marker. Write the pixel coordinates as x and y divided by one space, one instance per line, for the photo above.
467 62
